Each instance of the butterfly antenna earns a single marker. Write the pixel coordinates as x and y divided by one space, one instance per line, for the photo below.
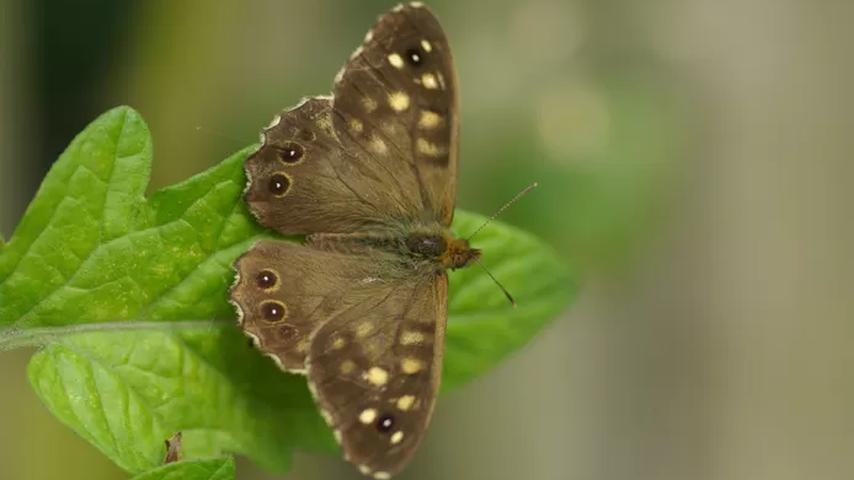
506 293
490 219
501 210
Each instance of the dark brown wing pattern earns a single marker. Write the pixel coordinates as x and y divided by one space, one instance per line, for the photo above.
396 100
370 341
374 370
285 291
301 179
383 148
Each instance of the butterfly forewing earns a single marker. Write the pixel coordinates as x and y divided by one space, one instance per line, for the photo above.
374 370
396 100
302 180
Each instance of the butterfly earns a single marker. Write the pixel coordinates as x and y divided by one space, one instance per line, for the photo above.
368 175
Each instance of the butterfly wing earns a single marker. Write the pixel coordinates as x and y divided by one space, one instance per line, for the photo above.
396 101
374 369
382 150
368 332
302 180
284 291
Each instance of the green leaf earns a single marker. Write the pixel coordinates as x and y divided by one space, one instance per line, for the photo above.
214 469
127 391
482 327
90 241
110 282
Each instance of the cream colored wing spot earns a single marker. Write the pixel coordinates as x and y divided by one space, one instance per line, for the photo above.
376 376
338 343
395 60
426 45
411 366
369 36
378 146
429 120
396 437
369 104
398 101
347 367
411 338
364 469
368 415
429 81
337 434
356 125
426 148
405 402
382 476
356 52
364 329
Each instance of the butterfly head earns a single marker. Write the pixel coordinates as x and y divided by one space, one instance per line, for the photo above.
460 254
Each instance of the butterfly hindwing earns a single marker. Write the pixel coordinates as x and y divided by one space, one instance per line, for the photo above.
286 291
374 370
396 100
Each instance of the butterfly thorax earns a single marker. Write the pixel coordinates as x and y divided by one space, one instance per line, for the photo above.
446 250
426 248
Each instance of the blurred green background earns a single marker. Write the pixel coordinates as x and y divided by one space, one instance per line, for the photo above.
694 160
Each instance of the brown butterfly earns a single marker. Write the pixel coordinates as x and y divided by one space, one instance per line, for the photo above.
369 176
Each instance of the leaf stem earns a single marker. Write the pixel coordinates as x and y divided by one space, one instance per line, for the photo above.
12 338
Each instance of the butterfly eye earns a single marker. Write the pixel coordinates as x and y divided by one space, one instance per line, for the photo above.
273 311
291 153
266 279
385 423
279 184
414 56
